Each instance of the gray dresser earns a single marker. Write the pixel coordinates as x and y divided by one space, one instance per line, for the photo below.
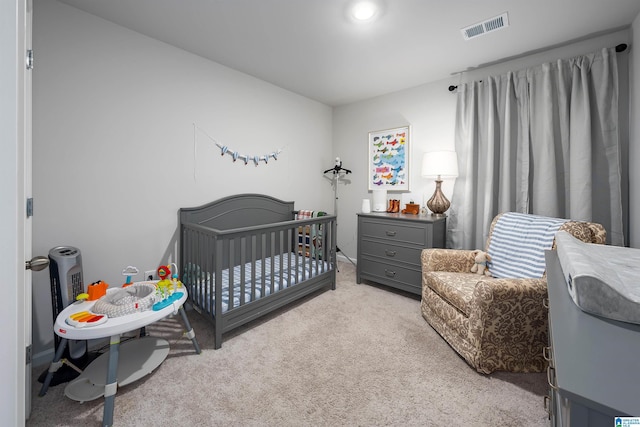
594 363
389 247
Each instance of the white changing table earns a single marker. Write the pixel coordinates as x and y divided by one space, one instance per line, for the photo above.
113 328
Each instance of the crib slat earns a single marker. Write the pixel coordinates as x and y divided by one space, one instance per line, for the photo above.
272 267
254 245
261 250
228 248
281 258
242 261
297 258
203 249
210 285
206 281
290 234
218 248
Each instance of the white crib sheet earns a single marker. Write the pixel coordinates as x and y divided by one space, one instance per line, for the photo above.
201 282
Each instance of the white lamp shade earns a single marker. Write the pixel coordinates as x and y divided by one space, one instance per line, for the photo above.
440 163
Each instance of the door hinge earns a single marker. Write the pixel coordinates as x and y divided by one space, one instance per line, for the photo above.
29 207
28 355
30 59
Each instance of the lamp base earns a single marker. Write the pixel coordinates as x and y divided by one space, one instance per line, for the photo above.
438 203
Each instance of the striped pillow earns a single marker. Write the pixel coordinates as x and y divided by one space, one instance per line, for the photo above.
518 242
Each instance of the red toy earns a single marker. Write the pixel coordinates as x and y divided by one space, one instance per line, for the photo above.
164 271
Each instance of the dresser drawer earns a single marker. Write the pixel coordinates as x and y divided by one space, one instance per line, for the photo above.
390 252
398 231
389 247
408 278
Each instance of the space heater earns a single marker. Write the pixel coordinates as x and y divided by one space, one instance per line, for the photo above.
65 272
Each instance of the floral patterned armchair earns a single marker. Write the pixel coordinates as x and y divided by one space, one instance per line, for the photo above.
495 324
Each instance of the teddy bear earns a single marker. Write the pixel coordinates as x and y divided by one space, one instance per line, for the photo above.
481 260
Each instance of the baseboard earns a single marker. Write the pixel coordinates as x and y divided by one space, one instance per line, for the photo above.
343 258
42 358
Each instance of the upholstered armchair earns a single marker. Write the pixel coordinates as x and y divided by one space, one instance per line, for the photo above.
495 324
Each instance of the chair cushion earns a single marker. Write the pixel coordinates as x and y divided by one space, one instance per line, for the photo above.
518 242
455 288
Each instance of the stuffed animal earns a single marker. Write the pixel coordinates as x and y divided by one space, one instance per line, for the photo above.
481 259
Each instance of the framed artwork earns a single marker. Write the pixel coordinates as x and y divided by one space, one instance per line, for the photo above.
389 159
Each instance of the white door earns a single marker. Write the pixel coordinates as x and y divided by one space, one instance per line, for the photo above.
27 190
39 262
13 225
24 147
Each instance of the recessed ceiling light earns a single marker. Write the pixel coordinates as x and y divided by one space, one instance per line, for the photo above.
364 10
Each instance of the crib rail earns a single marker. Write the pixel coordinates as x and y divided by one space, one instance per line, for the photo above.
259 260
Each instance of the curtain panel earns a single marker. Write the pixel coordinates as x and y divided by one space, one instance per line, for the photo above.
545 141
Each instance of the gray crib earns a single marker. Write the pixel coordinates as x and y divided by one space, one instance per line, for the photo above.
243 256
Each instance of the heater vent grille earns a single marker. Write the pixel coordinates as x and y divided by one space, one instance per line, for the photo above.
485 27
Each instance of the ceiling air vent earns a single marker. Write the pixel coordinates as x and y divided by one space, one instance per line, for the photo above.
487 26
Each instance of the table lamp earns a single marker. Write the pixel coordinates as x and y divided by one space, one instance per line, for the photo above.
439 164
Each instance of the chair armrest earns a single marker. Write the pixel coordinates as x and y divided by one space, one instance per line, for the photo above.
452 260
588 232
598 233
509 319
510 290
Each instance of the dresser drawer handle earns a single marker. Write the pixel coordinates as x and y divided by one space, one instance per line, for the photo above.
545 303
390 233
549 380
389 273
546 354
547 405
390 253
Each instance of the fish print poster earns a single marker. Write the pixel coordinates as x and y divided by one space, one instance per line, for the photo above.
389 159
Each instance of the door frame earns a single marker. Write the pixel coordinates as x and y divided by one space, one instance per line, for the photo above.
27 303
12 210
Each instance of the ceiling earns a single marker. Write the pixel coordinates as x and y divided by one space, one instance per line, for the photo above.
315 49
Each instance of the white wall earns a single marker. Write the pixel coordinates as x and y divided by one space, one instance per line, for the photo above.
114 145
634 138
114 142
430 110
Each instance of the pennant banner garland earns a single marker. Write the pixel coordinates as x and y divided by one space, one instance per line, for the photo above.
246 158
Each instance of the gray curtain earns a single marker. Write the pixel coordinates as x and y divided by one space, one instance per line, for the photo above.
544 141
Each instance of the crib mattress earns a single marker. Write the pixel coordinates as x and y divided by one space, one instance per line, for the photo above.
285 274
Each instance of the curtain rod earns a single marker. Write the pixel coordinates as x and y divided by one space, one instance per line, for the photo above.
619 48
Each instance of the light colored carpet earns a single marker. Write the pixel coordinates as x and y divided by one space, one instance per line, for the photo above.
361 355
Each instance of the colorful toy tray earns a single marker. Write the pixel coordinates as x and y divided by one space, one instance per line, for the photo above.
85 318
